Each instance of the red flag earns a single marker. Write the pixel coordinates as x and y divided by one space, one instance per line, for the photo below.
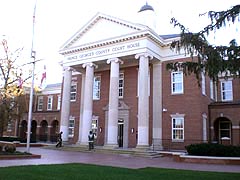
44 75
20 83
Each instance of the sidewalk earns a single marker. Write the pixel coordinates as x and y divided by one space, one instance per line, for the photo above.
50 156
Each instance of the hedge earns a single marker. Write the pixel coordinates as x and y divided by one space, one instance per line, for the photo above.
207 149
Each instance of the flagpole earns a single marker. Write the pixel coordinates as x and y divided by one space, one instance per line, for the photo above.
33 58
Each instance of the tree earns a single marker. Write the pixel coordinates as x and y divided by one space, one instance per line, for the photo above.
211 59
10 86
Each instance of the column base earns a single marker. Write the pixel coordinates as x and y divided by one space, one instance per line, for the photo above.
82 144
142 147
157 144
110 146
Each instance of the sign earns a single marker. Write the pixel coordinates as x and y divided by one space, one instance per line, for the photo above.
105 51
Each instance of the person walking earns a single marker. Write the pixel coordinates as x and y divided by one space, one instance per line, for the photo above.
59 142
91 140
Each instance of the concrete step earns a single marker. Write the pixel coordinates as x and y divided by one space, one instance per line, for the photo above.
99 149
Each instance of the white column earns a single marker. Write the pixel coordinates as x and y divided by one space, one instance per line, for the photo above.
87 103
143 100
113 103
65 109
157 106
81 108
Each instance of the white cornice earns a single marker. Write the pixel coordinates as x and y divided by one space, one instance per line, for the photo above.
93 21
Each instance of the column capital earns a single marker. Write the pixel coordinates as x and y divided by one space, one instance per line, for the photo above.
146 55
90 64
67 68
116 60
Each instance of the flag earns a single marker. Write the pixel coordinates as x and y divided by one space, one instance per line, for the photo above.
43 78
20 83
20 80
44 74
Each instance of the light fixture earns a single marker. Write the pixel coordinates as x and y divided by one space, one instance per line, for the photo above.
132 130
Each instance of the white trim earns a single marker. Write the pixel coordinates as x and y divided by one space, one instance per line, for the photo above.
228 90
182 82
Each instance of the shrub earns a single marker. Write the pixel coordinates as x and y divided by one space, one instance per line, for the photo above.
10 138
206 149
10 148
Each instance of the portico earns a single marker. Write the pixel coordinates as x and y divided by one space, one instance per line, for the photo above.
124 45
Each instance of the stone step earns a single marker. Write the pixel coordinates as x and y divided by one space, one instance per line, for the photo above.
100 149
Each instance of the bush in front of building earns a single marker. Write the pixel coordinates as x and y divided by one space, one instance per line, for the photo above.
10 138
10 148
208 149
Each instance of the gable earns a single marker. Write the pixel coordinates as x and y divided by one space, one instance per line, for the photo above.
100 28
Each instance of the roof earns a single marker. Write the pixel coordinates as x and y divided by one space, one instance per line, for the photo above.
169 36
146 7
54 85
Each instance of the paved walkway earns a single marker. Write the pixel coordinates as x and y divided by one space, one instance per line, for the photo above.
50 156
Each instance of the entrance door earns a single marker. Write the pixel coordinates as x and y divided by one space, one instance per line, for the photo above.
120 132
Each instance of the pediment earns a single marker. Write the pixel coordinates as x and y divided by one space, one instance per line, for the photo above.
102 28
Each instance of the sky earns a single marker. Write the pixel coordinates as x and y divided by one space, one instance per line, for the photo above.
57 20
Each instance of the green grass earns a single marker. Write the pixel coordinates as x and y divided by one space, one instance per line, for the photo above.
87 172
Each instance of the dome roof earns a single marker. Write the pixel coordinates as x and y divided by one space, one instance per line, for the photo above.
146 7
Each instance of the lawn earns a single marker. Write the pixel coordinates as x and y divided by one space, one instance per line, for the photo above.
87 172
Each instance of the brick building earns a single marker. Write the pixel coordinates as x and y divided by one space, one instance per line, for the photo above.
116 84
45 117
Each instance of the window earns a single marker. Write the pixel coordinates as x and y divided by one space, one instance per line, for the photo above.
203 84
224 129
95 125
50 102
96 87
204 124
10 126
59 102
40 103
211 89
177 128
226 91
177 82
71 126
121 85
73 92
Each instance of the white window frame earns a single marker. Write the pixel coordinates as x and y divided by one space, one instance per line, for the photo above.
71 126
96 87
121 85
203 84
73 93
177 82
224 91
211 89
59 102
50 103
95 125
40 103
221 130
178 117
204 124
10 126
